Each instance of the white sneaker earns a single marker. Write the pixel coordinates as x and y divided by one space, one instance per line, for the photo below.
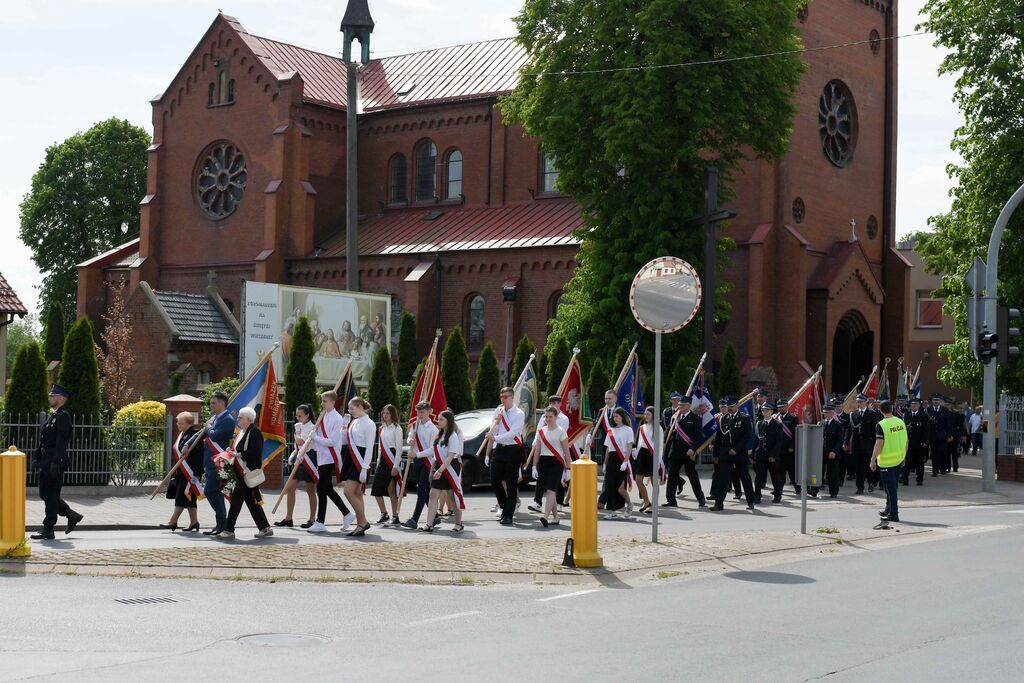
495 508
317 528
349 518
499 515
612 515
533 507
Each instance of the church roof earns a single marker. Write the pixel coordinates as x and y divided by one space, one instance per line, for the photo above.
544 222
459 72
196 317
9 301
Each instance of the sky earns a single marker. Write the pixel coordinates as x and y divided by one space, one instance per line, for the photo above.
72 63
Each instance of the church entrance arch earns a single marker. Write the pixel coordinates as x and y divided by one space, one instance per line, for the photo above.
852 351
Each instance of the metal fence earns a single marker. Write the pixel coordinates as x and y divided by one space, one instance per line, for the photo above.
1011 424
100 453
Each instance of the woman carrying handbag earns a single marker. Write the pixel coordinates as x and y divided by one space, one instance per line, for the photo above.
248 453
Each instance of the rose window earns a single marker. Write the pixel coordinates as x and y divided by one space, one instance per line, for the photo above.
837 123
220 180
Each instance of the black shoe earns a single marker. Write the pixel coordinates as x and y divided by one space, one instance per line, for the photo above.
832 495
905 482
702 504
544 522
169 527
871 488
385 518
777 499
214 531
718 507
306 525
669 504
73 519
285 522
850 478
395 521
860 492
887 518
920 482
437 520
883 513
750 506
506 521
44 535
814 494
935 474
757 499
192 528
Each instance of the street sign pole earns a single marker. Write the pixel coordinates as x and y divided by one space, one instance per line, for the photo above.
658 445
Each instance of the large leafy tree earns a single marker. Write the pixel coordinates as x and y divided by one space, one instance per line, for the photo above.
985 43
19 333
632 143
84 200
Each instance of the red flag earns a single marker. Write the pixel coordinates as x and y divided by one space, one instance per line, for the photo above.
806 402
574 400
871 388
429 388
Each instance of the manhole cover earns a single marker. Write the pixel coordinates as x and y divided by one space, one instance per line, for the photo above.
282 640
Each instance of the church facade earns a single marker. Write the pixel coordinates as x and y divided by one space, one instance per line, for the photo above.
461 222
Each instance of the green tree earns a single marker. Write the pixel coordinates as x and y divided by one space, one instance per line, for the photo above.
597 383
487 389
557 361
84 199
524 347
455 372
383 389
631 146
647 387
620 357
983 43
728 381
407 357
681 375
80 371
54 332
19 333
26 393
300 373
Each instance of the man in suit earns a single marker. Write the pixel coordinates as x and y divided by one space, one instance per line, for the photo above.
918 436
53 462
735 434
219 431
940 436
684 438
766 454
787 423
832 448
862 422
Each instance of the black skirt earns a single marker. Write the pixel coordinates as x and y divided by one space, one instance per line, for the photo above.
549 471
643 466
442 483
382 478
302 474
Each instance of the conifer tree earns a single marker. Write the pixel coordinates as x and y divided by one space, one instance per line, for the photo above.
300 373
79 370
54 333
26 393
407 359
382 389
487 390
455 372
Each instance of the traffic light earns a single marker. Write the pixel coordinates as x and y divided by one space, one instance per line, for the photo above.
1007 329
988 346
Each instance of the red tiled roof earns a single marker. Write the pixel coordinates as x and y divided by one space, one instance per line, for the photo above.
547 222
470 71
123 255
9 301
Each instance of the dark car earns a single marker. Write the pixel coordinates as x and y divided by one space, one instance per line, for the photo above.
474 425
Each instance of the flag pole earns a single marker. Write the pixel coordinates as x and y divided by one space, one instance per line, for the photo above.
305 446
412 425
696 372
622 371
188 450
565 377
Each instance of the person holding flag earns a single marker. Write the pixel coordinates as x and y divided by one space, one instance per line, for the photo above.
216 439
684 439
767 454
617 471
387 479
598 437
187 488
247 455
422 435
550 458
506 437
445 458
306 474
787 426
327 442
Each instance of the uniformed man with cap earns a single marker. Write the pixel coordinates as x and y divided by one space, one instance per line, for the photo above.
832 449
53 462
767 459
735 432
918 435
862 422
684 438
674 399
788 422
722 473
762 400
956 433
939 436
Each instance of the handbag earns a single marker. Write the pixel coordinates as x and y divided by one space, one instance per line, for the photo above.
254 478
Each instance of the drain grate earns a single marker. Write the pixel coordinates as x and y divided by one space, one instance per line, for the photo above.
145 601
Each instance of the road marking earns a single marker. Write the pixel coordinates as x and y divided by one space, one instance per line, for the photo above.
447 617
568 595
1014 512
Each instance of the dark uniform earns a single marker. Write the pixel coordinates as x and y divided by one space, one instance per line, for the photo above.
918 435
766 457
957 430
718 475
787 421
686 435
939 436
52 458
832 449
735 433
862 422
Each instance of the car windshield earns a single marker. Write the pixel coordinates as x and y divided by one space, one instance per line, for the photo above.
473 423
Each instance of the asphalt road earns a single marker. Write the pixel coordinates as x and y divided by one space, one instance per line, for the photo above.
937 611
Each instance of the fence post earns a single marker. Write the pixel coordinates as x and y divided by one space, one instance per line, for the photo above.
168 429
1001 418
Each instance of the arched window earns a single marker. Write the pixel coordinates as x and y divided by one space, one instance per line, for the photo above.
453 175
211 95
231 90
557 299
396 321
397 180
223 86
549 173
475 323
425 170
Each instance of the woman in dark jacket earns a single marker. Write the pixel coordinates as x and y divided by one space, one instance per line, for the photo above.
186 487
248 452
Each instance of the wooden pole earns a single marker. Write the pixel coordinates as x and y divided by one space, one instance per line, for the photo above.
412 425
305 446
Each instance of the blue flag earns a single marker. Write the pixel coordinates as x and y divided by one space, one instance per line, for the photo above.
629 395
259 392
701 395
748 408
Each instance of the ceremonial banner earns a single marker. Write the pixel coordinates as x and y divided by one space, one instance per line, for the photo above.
525 396
748 407
883 383
259 392
871 388
628 394
915 386
429 388
574 401
901 379
701 396
806 402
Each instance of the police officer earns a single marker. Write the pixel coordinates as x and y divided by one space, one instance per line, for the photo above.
766 454
918 436
887 459
787 422
53 462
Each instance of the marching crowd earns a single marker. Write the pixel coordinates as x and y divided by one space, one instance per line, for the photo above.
341 445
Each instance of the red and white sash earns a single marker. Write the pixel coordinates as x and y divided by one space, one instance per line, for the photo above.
307 462
331 449
623 458
785 430
554 451
454 479
420 448
193 488
682 433
504 423
353 450
391 459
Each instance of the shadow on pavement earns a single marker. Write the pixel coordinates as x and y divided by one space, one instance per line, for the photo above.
769 577
923 524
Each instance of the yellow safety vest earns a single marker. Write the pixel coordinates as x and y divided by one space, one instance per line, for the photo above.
894 444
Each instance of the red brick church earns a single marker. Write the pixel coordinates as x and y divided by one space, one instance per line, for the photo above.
458 208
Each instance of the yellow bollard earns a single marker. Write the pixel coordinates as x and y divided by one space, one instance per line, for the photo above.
12 504
584 513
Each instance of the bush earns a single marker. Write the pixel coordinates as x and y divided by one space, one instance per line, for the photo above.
26 393
228 385
300 374
487 389
406 348
382 389
620 358
145 413
135 443
404 401
455 373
